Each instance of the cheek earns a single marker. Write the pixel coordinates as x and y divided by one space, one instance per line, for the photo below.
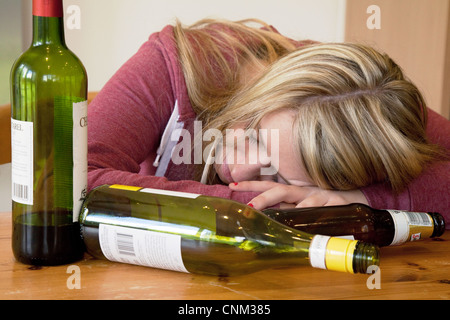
240 172
239 152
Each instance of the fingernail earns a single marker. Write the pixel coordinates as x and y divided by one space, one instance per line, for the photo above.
235 183
251 205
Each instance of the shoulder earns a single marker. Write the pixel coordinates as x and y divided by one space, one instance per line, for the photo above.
438 129
162 48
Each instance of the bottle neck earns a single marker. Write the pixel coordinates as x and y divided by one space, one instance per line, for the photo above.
439 224
48 22
364 256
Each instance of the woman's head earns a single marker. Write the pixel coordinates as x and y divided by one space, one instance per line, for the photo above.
361 121
357 120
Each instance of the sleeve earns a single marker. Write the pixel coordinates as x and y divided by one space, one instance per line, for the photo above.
126 122
428 192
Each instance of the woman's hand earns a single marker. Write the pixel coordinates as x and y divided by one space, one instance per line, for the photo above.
273 193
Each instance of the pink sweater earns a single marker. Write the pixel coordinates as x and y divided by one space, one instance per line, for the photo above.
129 115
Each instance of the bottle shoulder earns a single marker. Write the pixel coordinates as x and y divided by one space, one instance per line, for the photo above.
48 59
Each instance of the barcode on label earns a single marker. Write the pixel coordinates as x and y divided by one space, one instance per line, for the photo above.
21 192
141 247
125 244
419 219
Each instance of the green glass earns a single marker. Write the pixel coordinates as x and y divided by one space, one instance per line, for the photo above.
215 236
380 227
48 96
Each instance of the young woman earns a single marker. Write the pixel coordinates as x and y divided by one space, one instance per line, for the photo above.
333 123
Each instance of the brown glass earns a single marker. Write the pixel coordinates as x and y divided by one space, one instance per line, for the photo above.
359 220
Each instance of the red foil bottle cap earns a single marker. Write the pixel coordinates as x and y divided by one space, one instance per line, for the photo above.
48 8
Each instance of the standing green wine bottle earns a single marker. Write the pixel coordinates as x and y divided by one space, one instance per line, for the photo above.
49 143
202 234
361 222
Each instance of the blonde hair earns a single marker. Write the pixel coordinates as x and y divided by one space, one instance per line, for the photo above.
212 53
358 119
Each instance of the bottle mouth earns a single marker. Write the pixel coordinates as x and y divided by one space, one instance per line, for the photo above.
365 256
48 8
439 224
338 254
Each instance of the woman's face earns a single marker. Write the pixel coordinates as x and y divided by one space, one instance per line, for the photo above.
267 153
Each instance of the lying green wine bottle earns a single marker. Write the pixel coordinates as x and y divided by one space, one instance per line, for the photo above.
361 222
203 234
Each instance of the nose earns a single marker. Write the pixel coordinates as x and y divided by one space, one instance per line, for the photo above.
252 171
247 157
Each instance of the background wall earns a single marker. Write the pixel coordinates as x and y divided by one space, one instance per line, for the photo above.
10 42
416 34
113 30
110 31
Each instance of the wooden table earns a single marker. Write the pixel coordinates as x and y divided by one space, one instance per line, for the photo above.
417 270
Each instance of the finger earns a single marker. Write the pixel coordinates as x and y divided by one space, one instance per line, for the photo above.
280 193
336 201
285 205
256 186
312 200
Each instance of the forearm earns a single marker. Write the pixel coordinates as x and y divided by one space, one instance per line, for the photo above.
101 176
429 192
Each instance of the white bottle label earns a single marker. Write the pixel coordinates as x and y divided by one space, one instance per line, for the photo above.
348 237
79 143
317 251
171 193
410 226
22 161
141 247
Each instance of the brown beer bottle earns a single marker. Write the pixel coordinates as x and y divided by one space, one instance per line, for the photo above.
361 222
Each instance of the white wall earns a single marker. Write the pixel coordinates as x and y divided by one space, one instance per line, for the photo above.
111 31
10 43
